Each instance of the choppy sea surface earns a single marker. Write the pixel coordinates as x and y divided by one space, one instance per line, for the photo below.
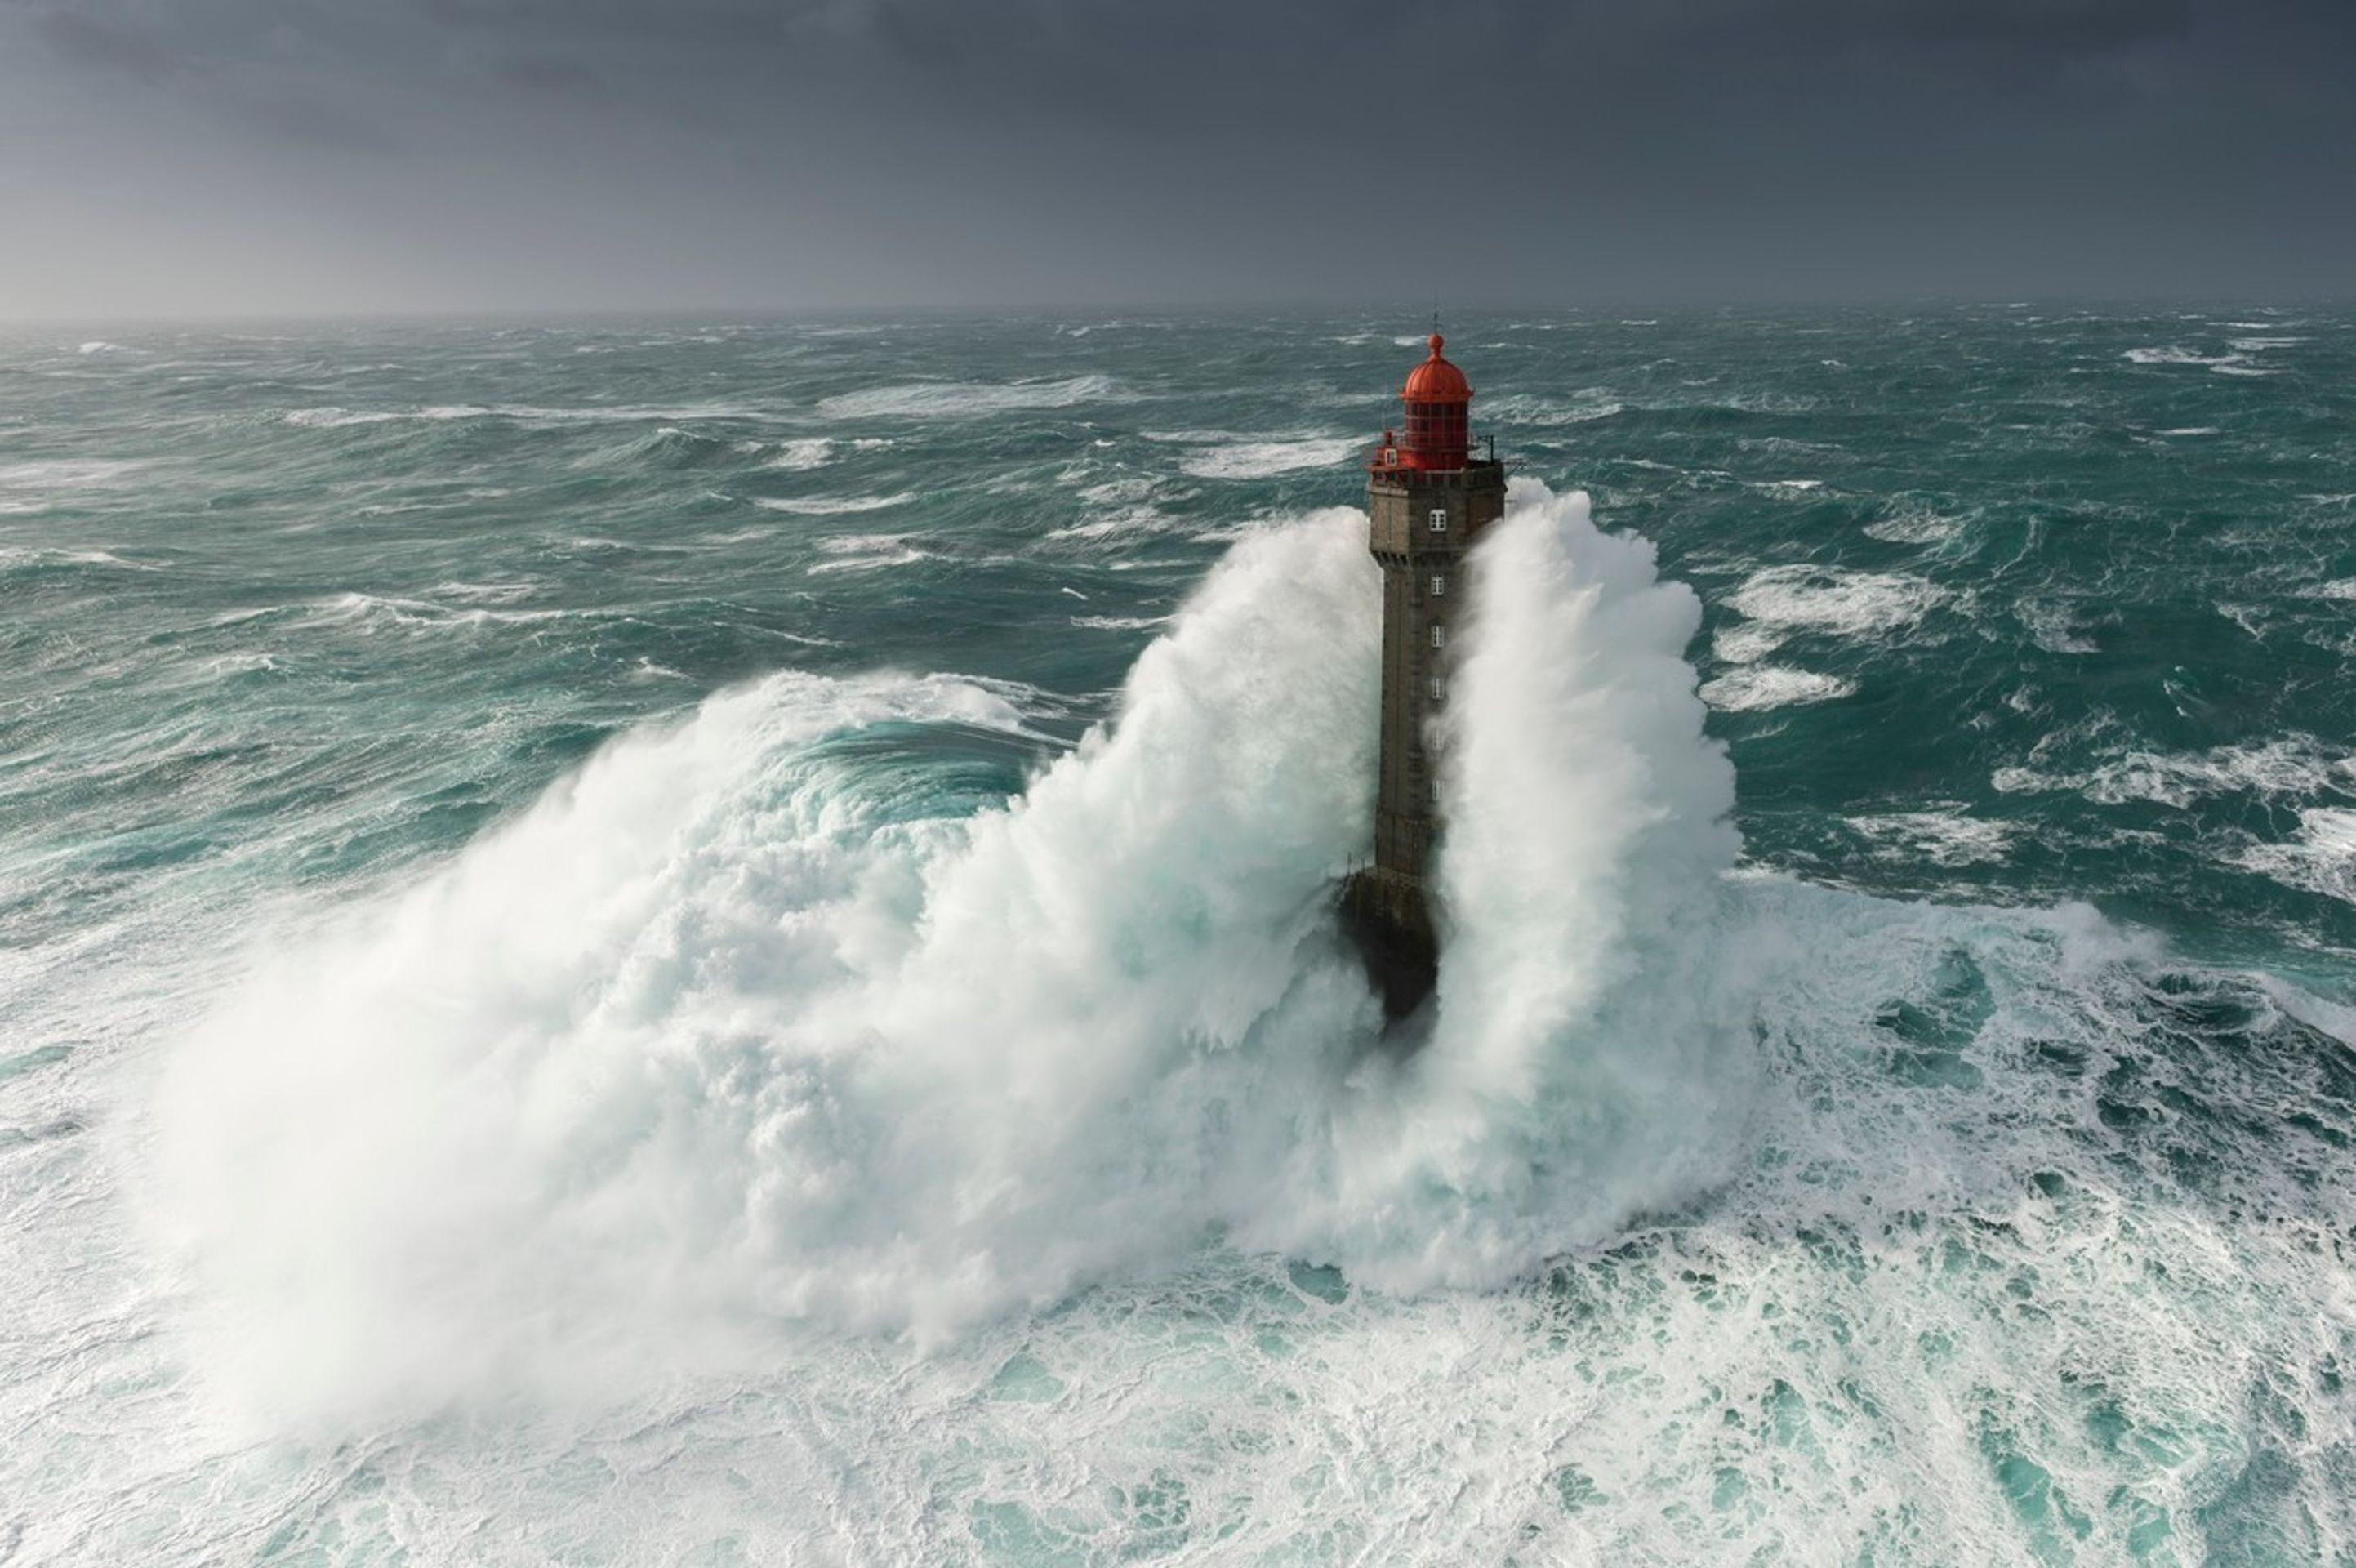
711 942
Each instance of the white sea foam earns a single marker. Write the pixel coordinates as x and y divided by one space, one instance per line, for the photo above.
808 452
2321 860
2172 354
1573 930
384 612
2231 364
1263 459
1916 526
484 593
2293 765
1127 521
1949 838
954 1091
1753 686
1834 601
868 552
704 1042
1744 641
829 506
64 476
333 417
17 556
2053 627
1119 623
716 1044
1522 408
1121 489
971 400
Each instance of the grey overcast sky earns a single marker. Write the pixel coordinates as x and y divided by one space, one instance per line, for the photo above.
206 158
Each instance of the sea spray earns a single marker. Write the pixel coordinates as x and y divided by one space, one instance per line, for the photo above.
712 1038
708 1038
1589 1056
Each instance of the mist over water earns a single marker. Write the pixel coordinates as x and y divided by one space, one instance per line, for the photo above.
734 960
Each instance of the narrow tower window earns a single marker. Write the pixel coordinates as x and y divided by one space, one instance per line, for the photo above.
1439 688
1438 634
1440 520
1438 585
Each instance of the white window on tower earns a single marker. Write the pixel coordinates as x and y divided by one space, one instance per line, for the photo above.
1440 520
1439 688
1438 634
1438 585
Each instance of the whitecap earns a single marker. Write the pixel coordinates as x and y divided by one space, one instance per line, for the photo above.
966 400
1915 527
1835 600
1950 838
56 476
1521 408
484 593
1756 686
370 613
1744 641
1264 459
2051 627
2293 765
831 505
1127 520
868 553
1124 489
335 417
2174 354
809 452
2322 860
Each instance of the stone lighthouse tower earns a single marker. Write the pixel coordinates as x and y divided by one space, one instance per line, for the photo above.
1427 499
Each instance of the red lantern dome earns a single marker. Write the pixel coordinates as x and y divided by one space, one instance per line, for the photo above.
1435 381
1438 435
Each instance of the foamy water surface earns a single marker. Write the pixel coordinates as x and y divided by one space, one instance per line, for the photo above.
629 947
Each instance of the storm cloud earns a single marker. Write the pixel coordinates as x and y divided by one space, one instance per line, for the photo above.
211 157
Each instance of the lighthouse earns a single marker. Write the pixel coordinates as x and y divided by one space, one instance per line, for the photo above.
1427 499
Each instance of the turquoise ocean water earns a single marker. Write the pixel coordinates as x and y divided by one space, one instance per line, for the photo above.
710 943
